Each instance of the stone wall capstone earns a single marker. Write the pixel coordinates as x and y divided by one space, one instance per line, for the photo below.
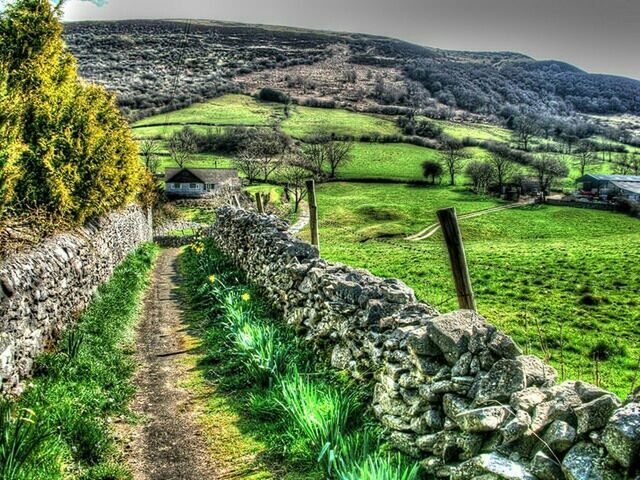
43 288
451 389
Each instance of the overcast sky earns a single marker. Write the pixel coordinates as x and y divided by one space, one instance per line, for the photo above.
601 36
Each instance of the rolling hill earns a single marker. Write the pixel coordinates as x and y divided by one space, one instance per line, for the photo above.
156 66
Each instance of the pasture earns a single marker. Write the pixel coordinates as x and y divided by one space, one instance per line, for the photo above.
225 110
562 281
304 122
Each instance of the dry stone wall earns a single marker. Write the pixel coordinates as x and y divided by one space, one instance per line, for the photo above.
451 389
42 289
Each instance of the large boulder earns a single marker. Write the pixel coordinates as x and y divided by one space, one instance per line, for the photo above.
545 468
559 436
486 419
491 465
585 461
509 376
451 332
622 436
595 414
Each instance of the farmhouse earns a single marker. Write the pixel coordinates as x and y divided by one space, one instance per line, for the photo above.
610 186
199 182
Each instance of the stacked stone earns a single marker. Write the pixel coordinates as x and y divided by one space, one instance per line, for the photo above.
42 289
451 389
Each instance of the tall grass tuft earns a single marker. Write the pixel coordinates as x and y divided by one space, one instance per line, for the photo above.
21 439
264 354
318 412
379 466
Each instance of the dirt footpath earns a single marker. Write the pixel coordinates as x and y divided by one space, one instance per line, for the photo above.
167 443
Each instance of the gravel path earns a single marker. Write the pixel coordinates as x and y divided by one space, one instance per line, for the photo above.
168 443
303 221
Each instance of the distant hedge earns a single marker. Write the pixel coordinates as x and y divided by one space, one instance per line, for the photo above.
65 149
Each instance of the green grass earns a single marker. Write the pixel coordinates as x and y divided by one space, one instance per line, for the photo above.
535 270
199 160
225 110
164 131
199 215
391 160
480 132
298 417
82 386
306 121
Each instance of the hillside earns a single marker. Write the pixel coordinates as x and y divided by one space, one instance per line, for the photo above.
155 65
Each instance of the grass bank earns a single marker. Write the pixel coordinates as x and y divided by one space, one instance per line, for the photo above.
283 411
62 426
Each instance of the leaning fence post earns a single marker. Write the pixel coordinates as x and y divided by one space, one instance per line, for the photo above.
453 238
313 213
259 203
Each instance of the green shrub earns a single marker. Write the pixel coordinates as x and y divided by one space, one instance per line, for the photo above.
65 149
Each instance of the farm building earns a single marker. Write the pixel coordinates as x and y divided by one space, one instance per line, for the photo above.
199 182
610 186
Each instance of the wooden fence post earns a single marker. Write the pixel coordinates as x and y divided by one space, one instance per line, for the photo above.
259 203
313 213
453 238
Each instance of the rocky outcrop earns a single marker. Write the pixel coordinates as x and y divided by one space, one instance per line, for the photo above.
450 388
42 289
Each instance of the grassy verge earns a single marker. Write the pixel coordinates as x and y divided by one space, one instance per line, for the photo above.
296 418
62 426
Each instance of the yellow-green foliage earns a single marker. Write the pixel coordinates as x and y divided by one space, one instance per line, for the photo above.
64 147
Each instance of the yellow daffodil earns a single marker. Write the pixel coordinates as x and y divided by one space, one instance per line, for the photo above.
212 279
246 297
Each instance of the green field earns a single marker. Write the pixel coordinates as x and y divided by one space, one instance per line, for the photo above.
226 110
536 270
561 281
389 160
306 121
198 160
480 132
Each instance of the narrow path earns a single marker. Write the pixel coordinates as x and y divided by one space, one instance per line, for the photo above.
303 220
168 443
433 228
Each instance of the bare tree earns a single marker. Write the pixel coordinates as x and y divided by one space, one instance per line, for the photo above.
261 154
338 154
246 164
324 153
525 127
314 154
586 156
548 169
149 150
453 155
295 171
481 175
500 158
182 145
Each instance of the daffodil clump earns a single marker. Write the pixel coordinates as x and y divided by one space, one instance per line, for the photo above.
197 247
316 418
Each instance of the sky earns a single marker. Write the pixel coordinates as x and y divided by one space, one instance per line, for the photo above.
600 36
